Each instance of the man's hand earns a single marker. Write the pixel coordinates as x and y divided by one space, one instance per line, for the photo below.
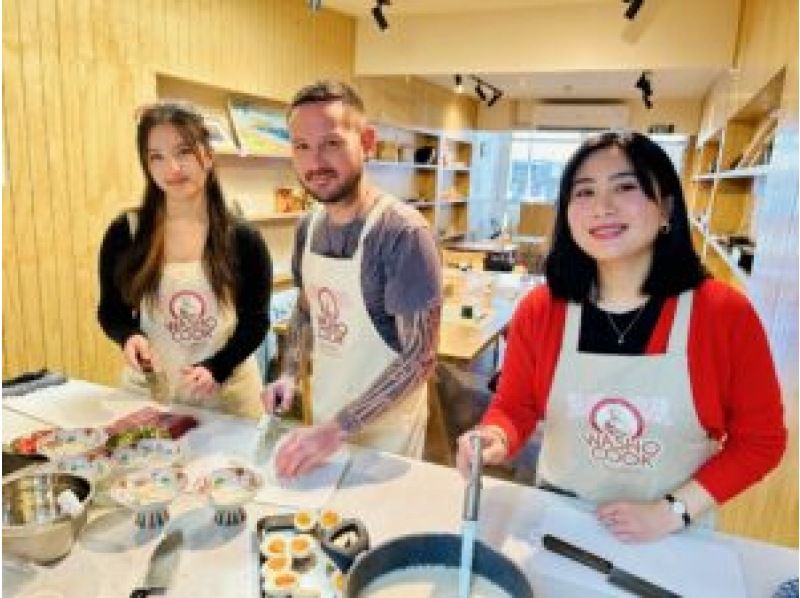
198 381
307 448
278 396
639 521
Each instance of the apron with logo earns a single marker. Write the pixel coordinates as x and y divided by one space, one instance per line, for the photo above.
348 352
622 427
185 325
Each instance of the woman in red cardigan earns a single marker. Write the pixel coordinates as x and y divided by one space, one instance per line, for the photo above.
655 383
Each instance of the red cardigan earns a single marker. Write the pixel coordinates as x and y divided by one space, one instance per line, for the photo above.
733 380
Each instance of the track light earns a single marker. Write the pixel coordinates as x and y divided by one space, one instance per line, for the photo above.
315 5
459 88
643 83
633 8
496 95
482 89
377 14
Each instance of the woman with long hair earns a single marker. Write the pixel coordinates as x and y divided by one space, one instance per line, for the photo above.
654 382
184 285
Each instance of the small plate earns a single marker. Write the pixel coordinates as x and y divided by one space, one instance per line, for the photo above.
150 453
93 467
149 489
230 486
71 442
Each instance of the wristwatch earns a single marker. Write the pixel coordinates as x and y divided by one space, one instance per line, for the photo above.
678 507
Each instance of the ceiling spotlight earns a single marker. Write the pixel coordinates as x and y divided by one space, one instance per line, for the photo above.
643 83
315 5
459 88
496 95
377 14
633 8
480 92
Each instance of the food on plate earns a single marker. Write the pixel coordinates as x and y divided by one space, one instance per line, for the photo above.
276 564
281 584
329 519
429 582
71 442
131 436
274 545
337 580
302 545
26 445
305 521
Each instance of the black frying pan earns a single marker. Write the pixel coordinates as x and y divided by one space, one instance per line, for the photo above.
437 550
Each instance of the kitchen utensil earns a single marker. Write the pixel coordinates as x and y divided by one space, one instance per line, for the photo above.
469 523
268 430
162 566
34 525
157 381
615 576
442 550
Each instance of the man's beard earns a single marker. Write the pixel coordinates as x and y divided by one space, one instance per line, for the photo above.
346 190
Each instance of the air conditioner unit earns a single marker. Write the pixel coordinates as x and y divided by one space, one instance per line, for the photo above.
584 115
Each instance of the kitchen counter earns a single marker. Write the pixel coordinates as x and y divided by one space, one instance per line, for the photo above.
392 495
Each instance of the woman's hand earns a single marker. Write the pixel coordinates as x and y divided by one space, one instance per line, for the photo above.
278 396
137 351
198 381
493 441
639 521
307 448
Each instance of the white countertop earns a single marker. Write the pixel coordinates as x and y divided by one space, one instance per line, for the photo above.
393 496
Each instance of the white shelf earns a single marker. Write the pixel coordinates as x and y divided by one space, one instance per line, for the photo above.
393 164
709 240
275 217
738 173
453 202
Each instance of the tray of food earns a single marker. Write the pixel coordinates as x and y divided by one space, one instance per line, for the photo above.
307 553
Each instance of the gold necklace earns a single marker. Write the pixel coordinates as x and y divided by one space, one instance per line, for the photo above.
622 333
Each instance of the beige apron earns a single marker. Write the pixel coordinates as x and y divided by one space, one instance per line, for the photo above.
619 426
348 352
186 325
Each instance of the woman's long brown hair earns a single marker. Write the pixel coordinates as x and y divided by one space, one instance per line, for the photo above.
139 272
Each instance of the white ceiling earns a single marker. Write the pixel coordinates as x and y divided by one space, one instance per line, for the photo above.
361 8
557 85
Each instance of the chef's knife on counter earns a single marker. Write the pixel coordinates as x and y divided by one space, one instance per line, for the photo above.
616 576
469 523
161 567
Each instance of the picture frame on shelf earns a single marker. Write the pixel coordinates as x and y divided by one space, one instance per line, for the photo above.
261 130
219 135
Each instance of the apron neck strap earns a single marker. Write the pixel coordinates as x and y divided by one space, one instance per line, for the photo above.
679 334
572 327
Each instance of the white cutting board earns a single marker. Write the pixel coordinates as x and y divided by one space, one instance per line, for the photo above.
76 404
685 563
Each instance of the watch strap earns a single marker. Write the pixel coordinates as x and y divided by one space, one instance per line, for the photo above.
683 511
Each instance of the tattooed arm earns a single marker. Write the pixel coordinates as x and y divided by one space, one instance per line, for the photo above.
298 344
419 336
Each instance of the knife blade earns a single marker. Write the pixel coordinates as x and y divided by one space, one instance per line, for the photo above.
469 523
162 566
615 576
156 381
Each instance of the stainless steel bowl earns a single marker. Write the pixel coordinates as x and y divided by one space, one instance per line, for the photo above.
34 527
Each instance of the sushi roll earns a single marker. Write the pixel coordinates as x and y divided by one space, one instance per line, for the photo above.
281 585
328 520
274 545
305 521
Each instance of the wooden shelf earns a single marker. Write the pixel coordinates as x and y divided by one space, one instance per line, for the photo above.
453 202
457 168
739 173
243 156
393 164
423 204
452 236
740 275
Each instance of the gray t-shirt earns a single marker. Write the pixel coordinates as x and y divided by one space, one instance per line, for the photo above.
401 269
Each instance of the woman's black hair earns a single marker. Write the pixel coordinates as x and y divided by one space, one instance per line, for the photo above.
572 274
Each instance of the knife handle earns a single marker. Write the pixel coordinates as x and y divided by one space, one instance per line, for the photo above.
571 551
145 592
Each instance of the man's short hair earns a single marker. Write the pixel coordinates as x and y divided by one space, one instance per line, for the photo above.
327 91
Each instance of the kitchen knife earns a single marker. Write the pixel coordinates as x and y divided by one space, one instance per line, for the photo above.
268 429
616 576
161 568
156 381
469 522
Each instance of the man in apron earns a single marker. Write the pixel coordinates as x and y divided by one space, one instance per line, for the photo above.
370 302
